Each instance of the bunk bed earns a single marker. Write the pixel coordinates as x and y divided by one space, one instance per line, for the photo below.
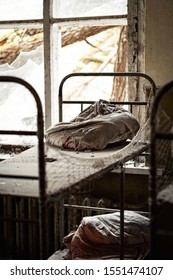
60 170
40 175
161 173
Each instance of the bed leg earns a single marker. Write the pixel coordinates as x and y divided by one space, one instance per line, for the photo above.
122 184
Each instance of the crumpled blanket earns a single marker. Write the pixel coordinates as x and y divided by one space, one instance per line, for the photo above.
94 128
98 237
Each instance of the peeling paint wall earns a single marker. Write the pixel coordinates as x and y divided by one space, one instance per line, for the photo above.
159 40
136 52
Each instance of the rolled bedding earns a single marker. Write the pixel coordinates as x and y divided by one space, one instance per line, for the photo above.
98 126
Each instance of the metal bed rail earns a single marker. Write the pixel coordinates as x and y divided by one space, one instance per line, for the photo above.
41 159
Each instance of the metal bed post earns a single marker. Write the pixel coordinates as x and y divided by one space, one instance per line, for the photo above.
122 186
41 160
153 163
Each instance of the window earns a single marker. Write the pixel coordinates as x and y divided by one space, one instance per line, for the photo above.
44 66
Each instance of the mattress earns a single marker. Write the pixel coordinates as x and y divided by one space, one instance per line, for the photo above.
64 168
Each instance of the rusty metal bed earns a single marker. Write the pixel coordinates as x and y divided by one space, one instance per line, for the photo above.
161 187
60 170
40 175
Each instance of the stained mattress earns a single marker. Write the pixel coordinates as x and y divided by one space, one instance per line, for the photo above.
66 168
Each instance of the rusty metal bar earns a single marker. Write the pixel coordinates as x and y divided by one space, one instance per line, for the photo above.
13 176
112 102
20 227
122 185
111 210
18 132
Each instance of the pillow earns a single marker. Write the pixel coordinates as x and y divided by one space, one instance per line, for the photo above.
98 237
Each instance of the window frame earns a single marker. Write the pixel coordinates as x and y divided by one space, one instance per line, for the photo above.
52 44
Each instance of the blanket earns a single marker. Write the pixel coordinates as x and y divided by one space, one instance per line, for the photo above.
98 126
98 237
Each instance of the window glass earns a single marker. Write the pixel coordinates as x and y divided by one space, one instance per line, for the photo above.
21 9
87 8
17 106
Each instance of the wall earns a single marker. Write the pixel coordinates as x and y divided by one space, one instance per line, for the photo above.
159 40
135 191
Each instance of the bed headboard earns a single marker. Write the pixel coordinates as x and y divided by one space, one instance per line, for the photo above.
104 74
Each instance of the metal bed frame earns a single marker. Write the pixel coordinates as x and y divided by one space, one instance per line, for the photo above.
122 173
41 155
155 136
105 74
41 159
